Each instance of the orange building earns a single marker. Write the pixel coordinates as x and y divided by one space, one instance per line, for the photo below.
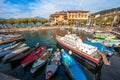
67 17
58 18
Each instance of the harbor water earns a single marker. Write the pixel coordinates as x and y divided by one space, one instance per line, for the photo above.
47 38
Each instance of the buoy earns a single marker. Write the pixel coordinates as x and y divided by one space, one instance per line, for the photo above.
57 49
62 50
70 52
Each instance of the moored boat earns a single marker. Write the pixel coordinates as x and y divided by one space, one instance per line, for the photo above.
110 43
6 45
22 55
104 36
9 49
73 69
52 65
102 48
40 61
34 54
107 42
23 47
88 53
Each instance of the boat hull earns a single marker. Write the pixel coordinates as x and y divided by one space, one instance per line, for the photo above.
73 69
100 47
10 55
78 54
33 70
32 57
52 65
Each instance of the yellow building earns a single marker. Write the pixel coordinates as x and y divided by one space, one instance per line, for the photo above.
58 18
77 16
69 17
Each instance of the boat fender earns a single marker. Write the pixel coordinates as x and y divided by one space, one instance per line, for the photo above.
62 50
58 49
70 52
49 73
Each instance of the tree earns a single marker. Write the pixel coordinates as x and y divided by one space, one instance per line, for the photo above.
43 21
25 20
11 22
2 22
34 20
18 22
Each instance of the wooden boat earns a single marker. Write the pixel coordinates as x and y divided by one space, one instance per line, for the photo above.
6 45
8 37
40 61
9 49
12 40
73 69
22 55
31 57
88 53
100 47
52 65
4 38
19 50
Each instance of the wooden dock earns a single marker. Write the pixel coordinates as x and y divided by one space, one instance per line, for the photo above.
14 39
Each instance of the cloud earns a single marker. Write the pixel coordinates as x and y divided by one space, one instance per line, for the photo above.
8 10
44 8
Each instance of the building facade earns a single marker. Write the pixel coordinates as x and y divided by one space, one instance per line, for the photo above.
58 18
69 17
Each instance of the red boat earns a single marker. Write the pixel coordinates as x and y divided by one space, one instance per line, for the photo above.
88 53
31 57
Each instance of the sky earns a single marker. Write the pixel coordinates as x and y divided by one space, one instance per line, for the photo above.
43 8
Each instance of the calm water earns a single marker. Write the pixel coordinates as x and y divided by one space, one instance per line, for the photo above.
47 37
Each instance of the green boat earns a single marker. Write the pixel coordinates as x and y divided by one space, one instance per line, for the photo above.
105 37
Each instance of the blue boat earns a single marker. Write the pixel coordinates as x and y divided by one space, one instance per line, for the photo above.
5 52
101 47
73 69
6 45
9 49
